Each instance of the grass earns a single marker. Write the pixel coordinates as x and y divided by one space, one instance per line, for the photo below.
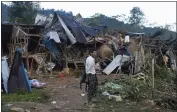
36 95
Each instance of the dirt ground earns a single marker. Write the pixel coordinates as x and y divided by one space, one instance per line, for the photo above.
65 96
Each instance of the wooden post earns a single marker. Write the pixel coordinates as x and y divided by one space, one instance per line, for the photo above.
152 77
66 56
27 59
31 68
136 60
50 62
142 53
94 42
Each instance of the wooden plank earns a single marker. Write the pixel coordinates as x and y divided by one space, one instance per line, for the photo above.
34 35
117 61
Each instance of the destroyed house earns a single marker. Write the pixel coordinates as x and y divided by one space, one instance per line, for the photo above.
58 39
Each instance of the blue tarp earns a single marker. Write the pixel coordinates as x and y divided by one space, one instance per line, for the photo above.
18 78
89 30
79 30
52 46
74 28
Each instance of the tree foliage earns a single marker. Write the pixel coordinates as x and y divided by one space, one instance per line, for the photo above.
94 20
23 12
136 17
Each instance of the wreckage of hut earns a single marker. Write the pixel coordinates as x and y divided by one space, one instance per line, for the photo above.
50 44
62 41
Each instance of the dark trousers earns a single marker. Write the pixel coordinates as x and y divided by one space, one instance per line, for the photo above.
92 86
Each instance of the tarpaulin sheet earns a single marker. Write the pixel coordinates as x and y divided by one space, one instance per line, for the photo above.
117 61
5 72
40 19
75 28
68 32
89 30
52 46
54 35
18 78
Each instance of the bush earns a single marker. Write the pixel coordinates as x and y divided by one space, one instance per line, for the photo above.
164 73
130 88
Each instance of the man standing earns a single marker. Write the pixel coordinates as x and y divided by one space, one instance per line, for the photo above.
91 78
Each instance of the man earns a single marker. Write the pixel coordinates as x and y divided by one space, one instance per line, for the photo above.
91 78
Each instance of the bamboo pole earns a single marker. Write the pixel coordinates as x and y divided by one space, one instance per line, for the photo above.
153 78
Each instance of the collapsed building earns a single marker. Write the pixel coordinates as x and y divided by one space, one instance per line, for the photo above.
61 41
51 39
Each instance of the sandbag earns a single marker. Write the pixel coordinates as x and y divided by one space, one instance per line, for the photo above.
105 51
132 46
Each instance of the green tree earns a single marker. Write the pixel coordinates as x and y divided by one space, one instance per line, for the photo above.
23 12
136 17
121 18
94 20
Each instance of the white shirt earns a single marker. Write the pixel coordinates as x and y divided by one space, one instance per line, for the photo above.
90 65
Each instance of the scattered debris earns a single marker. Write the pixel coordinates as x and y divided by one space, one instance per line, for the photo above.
36 84
26 110
50 66
117 98
105 93
113 86
83 94
16 109
57 107
61 75
117 62
53 102
8 105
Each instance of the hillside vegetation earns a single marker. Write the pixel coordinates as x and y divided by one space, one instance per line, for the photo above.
110 22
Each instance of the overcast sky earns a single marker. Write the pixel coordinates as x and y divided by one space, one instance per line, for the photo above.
155 12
